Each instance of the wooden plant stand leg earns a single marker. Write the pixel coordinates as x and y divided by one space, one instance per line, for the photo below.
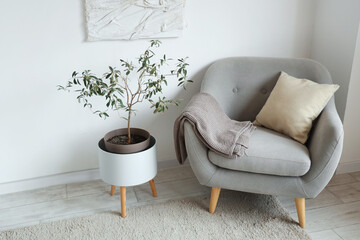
123 201
215 192
300 208
153 188
112 190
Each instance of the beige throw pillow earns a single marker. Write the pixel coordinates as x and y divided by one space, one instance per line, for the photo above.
293 105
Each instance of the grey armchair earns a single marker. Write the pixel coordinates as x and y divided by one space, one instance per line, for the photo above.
274 164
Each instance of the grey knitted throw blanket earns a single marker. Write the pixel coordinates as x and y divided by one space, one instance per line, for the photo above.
213 127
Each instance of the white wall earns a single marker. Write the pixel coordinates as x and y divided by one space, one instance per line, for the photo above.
335 37
351 151
45 132
335 29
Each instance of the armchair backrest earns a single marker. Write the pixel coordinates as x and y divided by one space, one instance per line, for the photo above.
242 84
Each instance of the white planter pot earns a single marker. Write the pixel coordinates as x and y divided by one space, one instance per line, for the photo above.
128 169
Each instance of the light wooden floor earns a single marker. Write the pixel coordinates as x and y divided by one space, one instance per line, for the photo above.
334 214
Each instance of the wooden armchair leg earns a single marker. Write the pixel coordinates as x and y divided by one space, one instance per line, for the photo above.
215 192
300 208
112 190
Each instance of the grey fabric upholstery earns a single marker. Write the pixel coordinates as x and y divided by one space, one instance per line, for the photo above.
269 153
241 86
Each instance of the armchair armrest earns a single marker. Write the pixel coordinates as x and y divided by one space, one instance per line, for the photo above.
325 147
197 155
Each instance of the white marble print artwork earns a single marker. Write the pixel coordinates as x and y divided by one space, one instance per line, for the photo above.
134 19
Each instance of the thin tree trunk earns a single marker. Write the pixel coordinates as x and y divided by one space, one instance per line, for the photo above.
129 134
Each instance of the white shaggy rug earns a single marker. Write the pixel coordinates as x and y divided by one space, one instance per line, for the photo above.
237 216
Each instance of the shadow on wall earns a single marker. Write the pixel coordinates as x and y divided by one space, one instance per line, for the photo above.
298 36
161 125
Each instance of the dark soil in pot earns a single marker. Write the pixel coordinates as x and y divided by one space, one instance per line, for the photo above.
123 139
116 141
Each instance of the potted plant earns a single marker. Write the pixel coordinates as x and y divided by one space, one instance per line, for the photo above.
116 89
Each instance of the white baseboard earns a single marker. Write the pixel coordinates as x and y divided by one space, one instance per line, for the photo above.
63 178
348 167
47 181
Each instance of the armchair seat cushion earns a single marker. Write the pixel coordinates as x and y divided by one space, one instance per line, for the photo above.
269 153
